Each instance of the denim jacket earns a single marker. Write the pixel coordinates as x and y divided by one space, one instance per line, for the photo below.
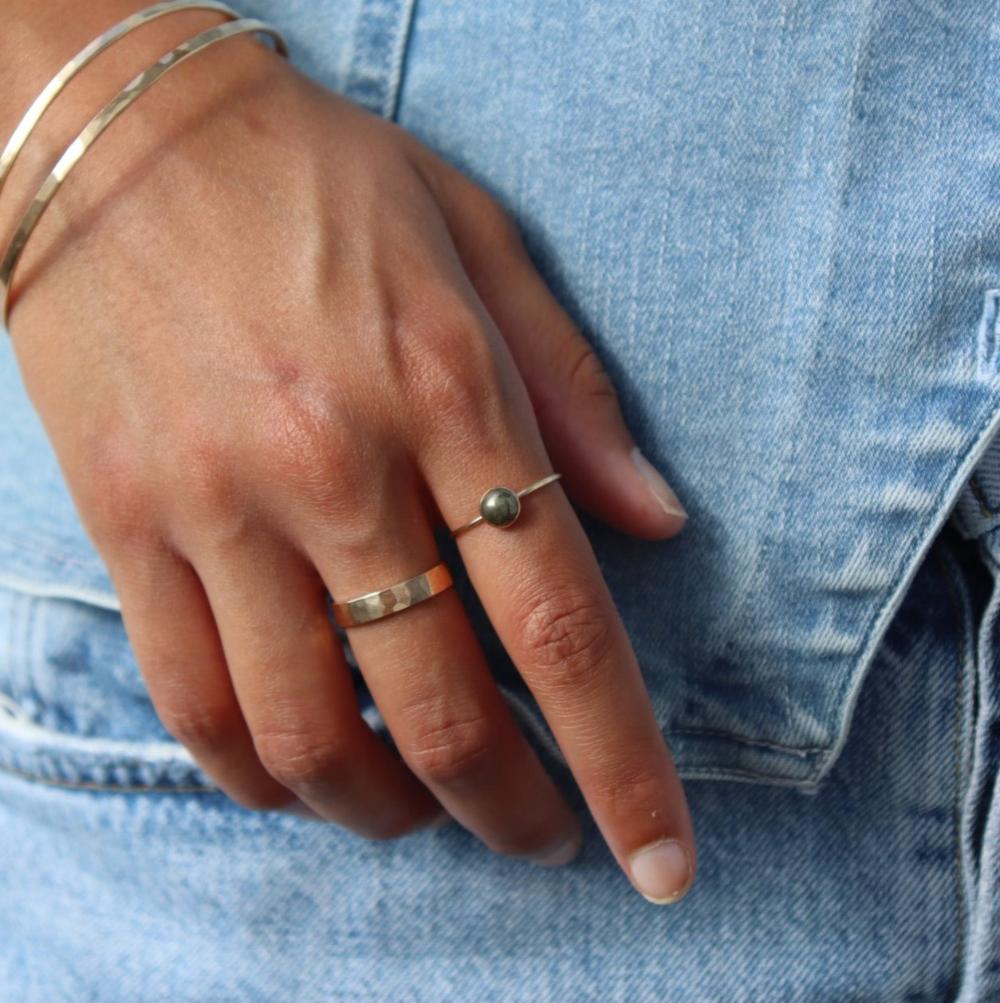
778 223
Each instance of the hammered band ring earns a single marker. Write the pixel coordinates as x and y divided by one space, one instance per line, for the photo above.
501 506
394 599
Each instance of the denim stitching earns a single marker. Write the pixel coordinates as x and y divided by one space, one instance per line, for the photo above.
928 528
980 495
108 788
18 547
960 913
377 54
399 58
791 452
798 750
744 774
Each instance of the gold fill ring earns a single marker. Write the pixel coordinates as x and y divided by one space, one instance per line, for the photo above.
394 599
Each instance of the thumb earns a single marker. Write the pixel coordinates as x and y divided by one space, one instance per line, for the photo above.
575 402
577 408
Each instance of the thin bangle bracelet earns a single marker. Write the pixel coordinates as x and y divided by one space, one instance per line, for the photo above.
83 58
100 122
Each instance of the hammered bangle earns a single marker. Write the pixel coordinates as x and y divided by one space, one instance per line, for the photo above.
96 126
83 58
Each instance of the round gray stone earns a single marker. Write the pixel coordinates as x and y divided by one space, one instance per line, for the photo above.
500 507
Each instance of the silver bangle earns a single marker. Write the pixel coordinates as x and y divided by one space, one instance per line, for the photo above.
96 126
83 58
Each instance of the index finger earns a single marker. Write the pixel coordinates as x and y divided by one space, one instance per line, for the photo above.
541 586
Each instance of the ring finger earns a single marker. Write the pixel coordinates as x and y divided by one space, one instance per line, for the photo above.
294 687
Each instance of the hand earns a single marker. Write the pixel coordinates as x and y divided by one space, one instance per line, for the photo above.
274 341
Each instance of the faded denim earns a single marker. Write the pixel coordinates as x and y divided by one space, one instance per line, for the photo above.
779 224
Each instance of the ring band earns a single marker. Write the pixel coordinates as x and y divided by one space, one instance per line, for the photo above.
501 506
394 599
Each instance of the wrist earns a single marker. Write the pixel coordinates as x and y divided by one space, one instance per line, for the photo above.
45 36
39 37
44 44
190 96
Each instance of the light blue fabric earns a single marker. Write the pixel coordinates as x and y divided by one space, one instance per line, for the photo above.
778 223
865 891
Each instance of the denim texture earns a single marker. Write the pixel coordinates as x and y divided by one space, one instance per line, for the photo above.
778 224
876 888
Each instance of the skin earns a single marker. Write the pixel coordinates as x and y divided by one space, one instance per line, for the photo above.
274 341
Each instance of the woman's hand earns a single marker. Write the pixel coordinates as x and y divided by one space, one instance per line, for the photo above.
275 341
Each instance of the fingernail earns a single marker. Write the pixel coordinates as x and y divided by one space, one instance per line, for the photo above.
662 871
560 854
661 490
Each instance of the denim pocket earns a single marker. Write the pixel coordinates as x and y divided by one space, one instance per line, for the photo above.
73 707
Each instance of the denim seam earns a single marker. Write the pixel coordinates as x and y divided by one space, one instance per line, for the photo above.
18 545
743 774
73 761
695 773
961 914
107 601
981 788
980 496
529 715
395 81
106 788
797 750
375 66
922 540
703 771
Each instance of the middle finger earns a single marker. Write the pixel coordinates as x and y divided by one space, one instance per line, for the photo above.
429 678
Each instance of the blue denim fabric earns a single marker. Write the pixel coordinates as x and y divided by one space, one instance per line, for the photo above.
123 882
778 224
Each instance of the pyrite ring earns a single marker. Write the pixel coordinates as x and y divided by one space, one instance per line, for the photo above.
394 599
501 506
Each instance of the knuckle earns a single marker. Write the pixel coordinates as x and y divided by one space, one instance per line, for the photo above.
311 443
448 748
301 759
626 790
118 499
202 726
451 371
568 637
203 474
588 379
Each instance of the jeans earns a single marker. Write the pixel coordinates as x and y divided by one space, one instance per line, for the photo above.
777 223
124 881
